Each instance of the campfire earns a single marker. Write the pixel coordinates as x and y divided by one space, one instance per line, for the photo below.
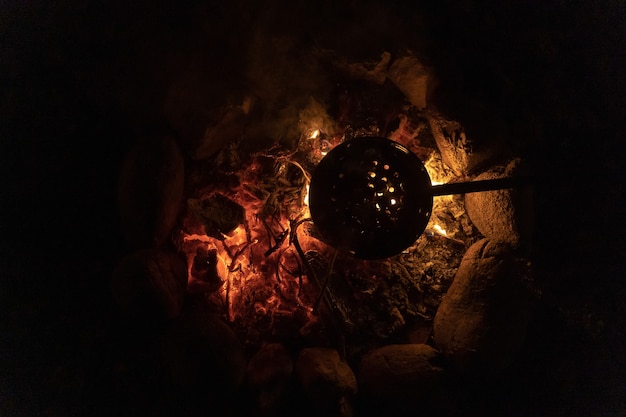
242 246
252 251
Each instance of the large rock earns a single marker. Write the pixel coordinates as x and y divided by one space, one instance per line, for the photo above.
150 191
462 152
206 362
481 322
207 109
149 285
401 379
374 72
503 215
412 78
268 378
327 381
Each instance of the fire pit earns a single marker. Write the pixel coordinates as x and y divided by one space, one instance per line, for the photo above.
323 237
257 259
255 251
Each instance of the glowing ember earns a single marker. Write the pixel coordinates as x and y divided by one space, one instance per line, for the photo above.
266 273
439 230
306 197
259 276
437 171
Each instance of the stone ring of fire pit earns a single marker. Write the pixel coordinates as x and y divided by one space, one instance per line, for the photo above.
372 197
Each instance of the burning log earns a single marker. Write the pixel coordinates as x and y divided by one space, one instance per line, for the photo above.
205 268
219 214
481 322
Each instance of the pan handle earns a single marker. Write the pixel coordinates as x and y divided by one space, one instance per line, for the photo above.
477 186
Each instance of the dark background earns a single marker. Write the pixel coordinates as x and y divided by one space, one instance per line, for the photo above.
81 80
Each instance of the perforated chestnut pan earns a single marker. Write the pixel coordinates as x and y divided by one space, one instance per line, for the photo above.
372 198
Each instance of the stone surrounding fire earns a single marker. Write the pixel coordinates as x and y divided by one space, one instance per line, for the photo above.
403 379
503 215
459 150
412 78
151 189
150 285
203 360
327 380
269 379
481 322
